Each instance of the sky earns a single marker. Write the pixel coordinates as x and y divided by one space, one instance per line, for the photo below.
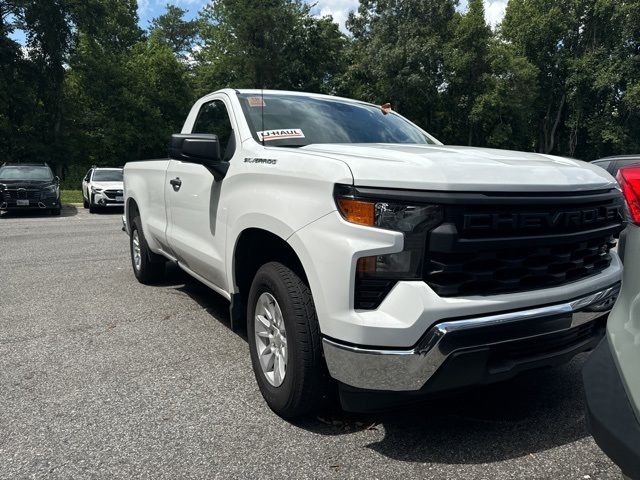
339 9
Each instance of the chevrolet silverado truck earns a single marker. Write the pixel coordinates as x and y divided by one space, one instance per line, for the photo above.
366 258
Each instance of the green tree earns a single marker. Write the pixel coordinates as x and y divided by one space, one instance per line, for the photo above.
125 104
586 54
503 114
398 55
16 93
541 31
273 44
466 63
172 28
603 83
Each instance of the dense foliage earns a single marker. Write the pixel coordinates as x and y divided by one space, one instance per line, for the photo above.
89 86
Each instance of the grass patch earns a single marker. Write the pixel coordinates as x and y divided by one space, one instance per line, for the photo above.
71 196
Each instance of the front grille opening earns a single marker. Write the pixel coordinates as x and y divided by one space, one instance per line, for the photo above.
494 271
489 249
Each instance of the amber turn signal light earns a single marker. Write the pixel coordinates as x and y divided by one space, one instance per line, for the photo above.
357 211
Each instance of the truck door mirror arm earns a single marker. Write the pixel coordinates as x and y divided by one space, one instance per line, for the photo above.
200 148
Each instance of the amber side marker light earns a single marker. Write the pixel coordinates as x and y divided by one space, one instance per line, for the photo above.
357 211
629 180
362 213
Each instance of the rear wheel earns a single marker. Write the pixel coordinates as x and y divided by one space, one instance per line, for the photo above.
284 342
148 267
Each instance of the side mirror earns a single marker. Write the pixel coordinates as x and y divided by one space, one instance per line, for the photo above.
57 179
200 148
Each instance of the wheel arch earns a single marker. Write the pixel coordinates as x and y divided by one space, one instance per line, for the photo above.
131 209
253 248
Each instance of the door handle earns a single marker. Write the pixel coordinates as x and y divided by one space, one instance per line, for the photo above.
176 183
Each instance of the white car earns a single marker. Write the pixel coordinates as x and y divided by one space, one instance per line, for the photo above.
103 188
360 252
612 373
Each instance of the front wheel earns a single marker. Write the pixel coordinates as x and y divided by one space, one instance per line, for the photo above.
92 208
148 267
284 342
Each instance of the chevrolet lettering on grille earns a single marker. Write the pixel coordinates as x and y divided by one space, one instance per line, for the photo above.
534 220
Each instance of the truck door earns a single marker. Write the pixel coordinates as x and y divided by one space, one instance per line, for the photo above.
197 218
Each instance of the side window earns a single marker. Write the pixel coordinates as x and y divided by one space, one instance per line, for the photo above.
614 167
214 118
604 164
628 162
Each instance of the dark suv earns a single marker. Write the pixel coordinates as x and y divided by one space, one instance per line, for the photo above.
29 187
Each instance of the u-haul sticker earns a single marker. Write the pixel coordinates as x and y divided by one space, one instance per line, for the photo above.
280 134
256 102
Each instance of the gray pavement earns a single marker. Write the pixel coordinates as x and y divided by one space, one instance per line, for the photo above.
101 377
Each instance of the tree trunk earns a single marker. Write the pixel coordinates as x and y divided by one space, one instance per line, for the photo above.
552 135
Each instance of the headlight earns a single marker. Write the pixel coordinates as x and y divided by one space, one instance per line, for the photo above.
50 191
413 220
95 190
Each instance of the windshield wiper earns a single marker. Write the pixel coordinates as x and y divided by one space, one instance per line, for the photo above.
291 145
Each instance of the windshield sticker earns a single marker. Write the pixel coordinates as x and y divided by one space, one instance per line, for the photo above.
256 102
281 134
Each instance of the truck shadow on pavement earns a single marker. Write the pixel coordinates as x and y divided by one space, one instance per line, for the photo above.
216 305
534 412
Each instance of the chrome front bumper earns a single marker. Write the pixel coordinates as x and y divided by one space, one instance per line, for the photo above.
410 369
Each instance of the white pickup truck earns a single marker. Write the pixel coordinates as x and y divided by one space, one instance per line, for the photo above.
361 253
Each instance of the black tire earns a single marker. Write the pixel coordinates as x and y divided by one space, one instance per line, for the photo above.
306 383
92 207
56 211
152 265
85 204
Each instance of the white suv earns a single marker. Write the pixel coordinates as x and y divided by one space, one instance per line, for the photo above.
102 187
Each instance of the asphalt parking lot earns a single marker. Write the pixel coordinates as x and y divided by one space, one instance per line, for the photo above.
101 377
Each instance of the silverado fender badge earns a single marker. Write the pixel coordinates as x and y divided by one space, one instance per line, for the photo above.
268 161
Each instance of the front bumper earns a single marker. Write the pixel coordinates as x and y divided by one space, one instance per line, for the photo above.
42 204
101 199
483 349
610 416
329 249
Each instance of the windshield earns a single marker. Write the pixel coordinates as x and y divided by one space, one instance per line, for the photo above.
26 172
294 120
107 176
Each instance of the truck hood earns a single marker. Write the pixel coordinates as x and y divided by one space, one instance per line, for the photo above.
26 183
453 168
